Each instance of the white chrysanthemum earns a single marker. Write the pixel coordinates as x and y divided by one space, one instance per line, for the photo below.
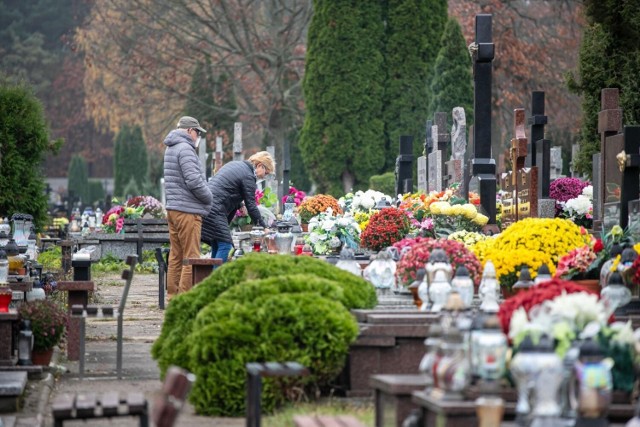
328 224
335 242
578 309
314 238
581 205
588 191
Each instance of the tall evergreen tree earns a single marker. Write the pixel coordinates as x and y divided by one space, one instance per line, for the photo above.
342 141
78 179
130 159
452 83
413 32
24 140
609 57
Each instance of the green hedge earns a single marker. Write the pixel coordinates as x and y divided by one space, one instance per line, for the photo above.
171 347
286 318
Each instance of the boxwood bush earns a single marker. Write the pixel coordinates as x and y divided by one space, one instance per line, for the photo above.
171 348
287 318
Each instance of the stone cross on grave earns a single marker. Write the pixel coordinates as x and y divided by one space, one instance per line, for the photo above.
521 184
237 141
454 166
483 166
629 165
404 166
436 158
538 151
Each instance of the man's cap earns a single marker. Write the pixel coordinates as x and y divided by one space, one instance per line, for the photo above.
187 122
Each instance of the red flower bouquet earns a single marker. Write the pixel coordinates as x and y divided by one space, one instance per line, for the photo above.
385 228
534 296
416 251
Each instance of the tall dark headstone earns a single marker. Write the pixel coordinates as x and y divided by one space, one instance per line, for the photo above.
428 142
404 164
538 151
629 163
611 143
483 166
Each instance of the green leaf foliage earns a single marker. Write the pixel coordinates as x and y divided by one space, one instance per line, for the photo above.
171 349
130 160
413 32
609 58
385 183
342 140
294 318
452 83
24 140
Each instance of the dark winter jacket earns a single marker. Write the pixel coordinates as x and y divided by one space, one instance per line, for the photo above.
185 186
235 182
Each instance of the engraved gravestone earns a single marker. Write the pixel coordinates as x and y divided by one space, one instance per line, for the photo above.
422 174
237 141
454 166
556 163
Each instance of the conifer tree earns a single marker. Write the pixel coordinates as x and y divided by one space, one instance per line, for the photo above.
24 141
452 83
609 57
78 179
130 159
413 32
342 140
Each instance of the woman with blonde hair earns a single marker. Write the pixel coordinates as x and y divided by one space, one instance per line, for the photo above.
234 183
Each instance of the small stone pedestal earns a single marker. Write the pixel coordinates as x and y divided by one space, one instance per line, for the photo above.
393 397
201 268
6 337
78 294
389 342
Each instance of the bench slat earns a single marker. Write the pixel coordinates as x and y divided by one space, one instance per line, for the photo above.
62 406
137 403
110 402
85 405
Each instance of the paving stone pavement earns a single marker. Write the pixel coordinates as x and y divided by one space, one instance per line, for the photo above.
142 323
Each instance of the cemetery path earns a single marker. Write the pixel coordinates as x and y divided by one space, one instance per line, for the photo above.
142 324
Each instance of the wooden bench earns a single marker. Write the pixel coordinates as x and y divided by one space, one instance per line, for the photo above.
165 410
85 406
326 421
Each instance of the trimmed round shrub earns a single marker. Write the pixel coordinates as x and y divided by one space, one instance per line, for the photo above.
171 349
288 318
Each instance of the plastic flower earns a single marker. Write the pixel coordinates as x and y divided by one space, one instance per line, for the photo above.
151 206
312 206
576 262
415 253
327 232
298 195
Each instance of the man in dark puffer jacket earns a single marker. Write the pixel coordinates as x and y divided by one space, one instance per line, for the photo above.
234 183
188 200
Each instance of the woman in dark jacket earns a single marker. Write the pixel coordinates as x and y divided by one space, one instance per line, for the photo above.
234 183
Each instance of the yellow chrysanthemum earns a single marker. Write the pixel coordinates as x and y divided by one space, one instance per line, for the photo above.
481 219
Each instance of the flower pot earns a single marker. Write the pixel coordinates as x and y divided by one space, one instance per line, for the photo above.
590 284
305 227
42 357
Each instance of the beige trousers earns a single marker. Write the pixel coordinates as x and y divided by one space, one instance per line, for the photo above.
184 238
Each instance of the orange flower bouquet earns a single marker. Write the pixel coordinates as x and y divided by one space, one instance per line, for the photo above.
313 205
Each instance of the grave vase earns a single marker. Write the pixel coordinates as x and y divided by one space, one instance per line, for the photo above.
42 357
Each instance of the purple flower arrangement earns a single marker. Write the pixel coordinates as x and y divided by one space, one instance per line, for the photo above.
564 189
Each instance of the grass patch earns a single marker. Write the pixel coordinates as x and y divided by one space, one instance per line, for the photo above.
363 410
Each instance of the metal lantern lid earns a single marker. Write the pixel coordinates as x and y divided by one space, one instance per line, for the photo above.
382 203
462 271
3 254
438 255
347 254
525 279
615 278
591 348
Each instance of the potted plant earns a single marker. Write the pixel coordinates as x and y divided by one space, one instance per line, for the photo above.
328 233
241 220
312 206
385 228
48 323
